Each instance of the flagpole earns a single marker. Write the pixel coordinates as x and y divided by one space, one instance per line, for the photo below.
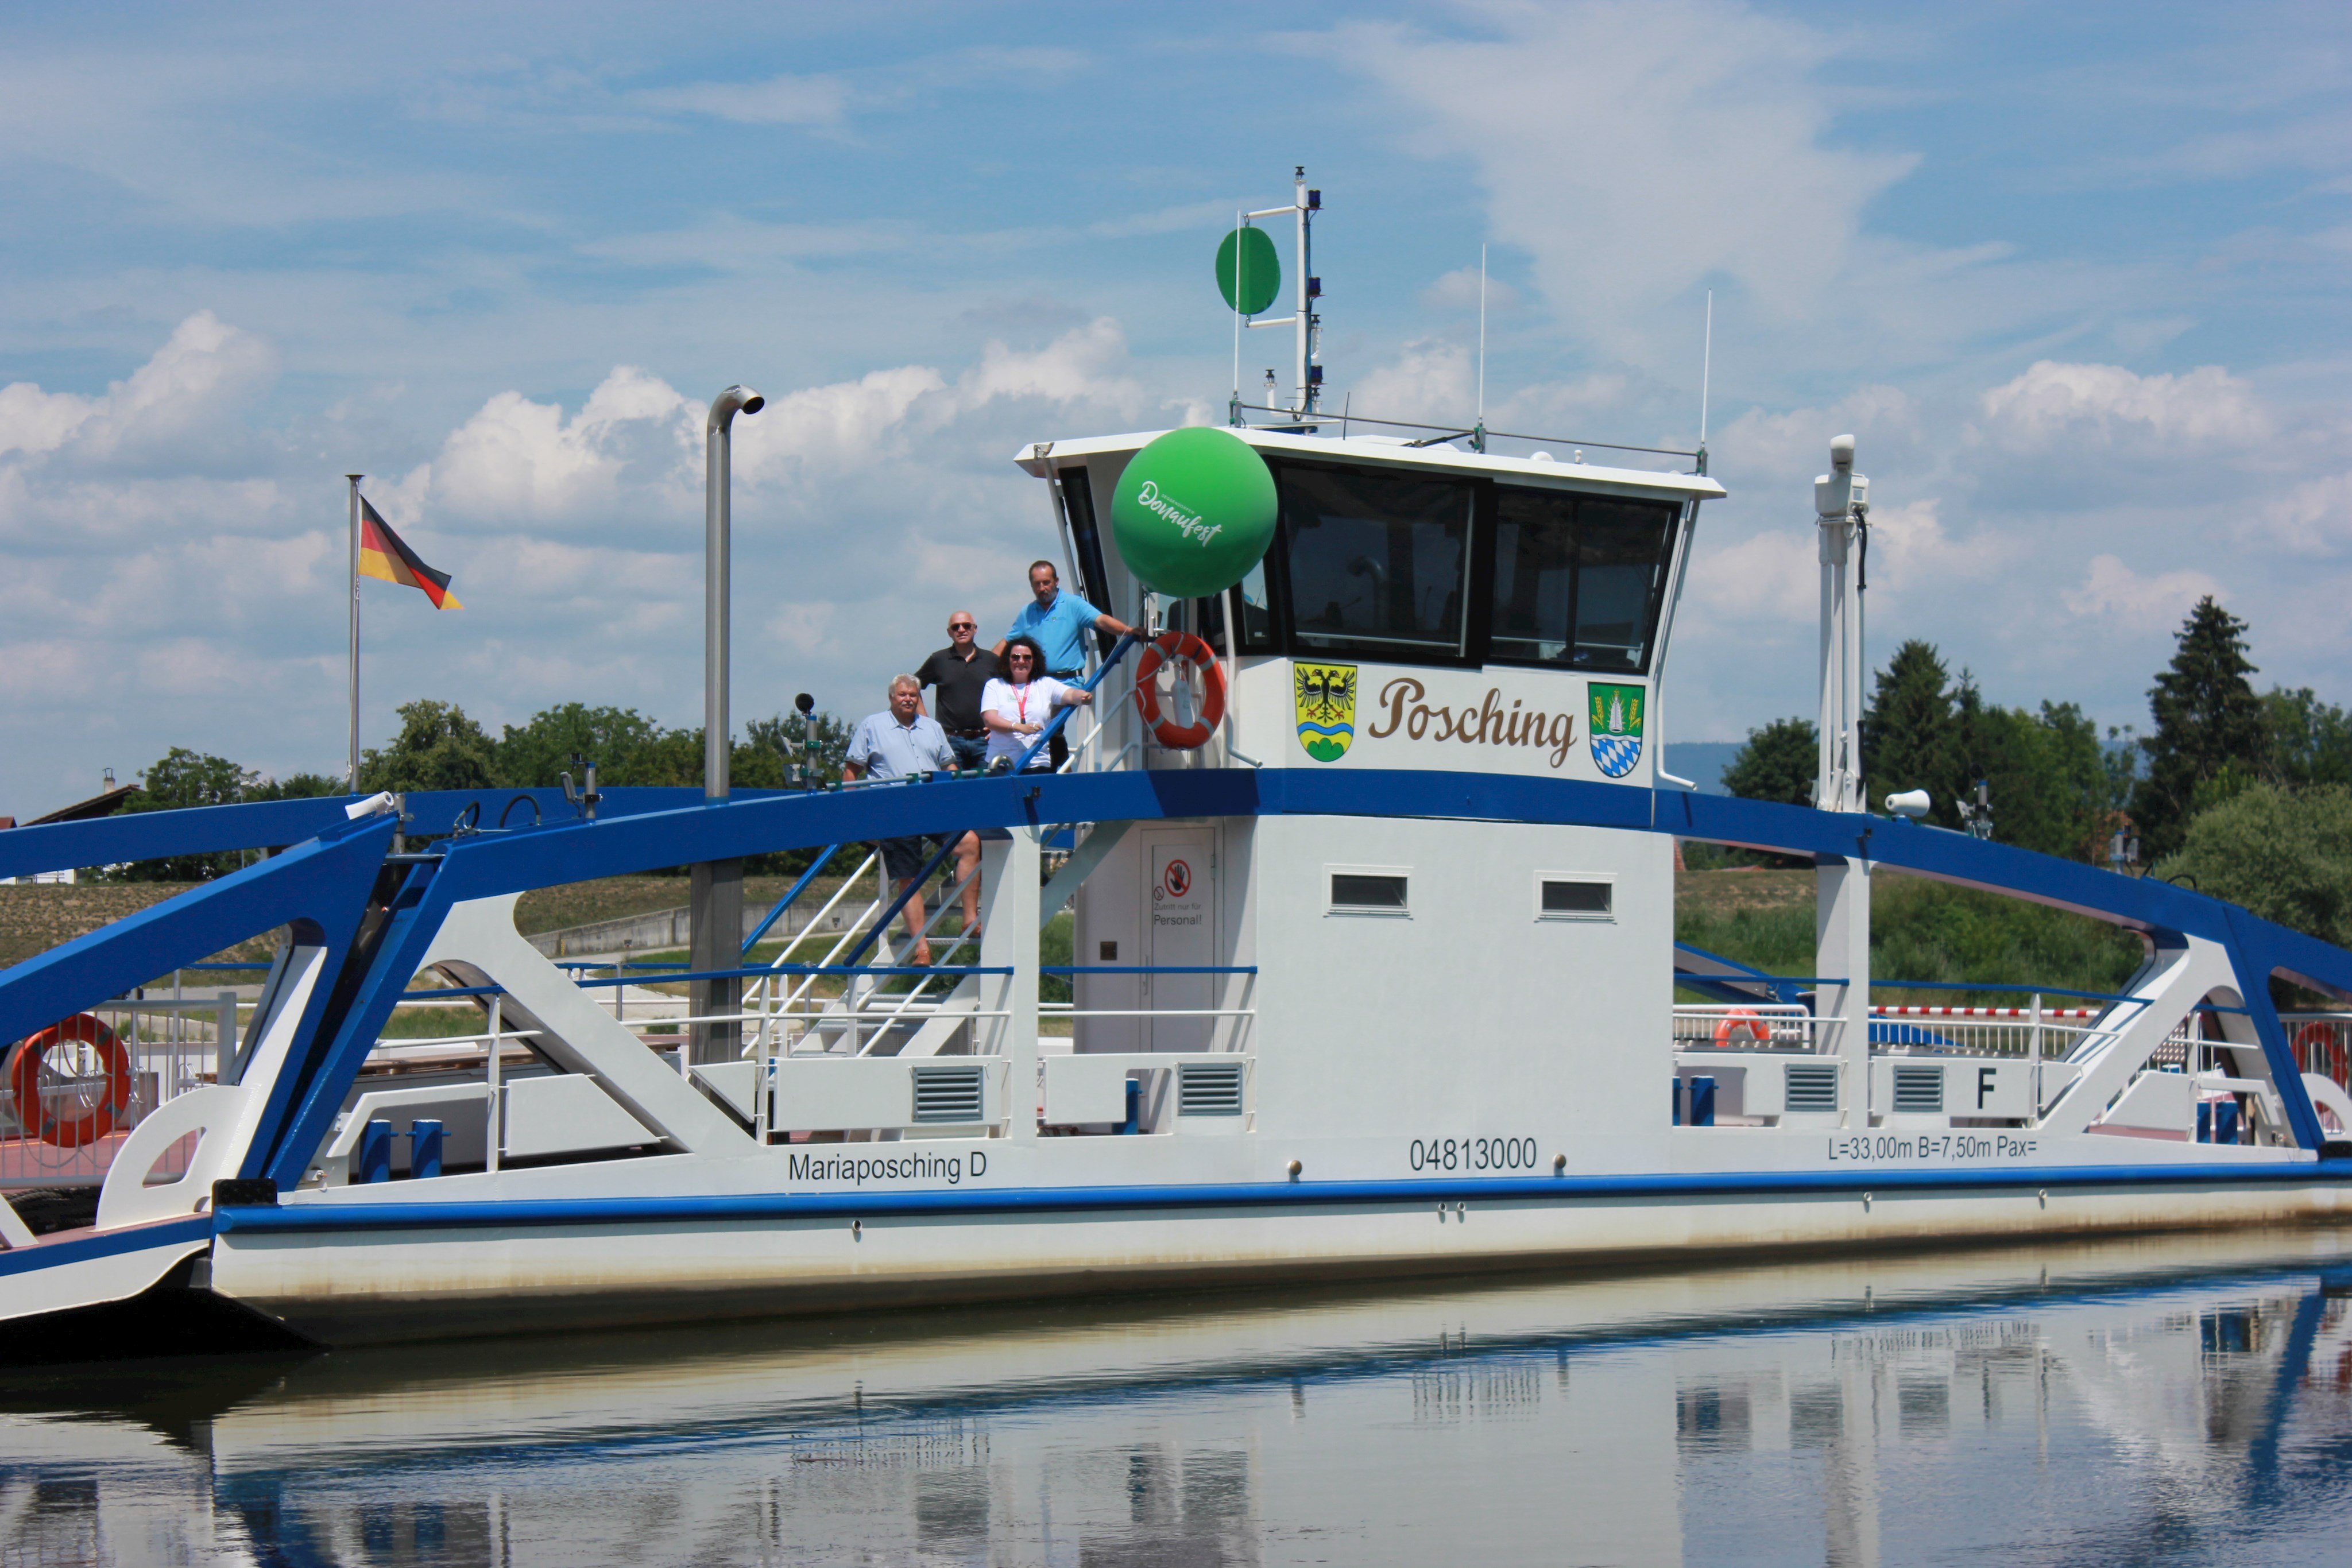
354 763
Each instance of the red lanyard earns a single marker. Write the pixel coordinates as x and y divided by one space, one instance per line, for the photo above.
1021 692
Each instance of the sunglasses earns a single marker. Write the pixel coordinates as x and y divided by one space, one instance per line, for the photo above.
964 625
1019 658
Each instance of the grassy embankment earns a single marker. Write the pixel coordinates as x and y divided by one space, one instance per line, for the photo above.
1919 931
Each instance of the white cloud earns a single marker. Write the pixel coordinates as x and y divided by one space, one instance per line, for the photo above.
33 421
2114 591
1771 579
182 406
1635 151
518 460
2053 403
779 100
1429 379
1459 290
2315 518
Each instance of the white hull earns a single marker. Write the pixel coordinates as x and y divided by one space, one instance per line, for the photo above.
435 1279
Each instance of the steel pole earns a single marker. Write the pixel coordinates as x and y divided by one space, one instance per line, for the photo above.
352 480
716 892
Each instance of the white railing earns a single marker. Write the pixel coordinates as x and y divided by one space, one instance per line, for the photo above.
98 1076
1742 1027
2322 1043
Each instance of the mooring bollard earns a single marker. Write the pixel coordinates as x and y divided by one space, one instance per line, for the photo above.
375 1153
425 1148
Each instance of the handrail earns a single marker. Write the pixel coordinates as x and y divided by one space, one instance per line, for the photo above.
799 970
1147 969
1054 724
2021 990
785 902
914 886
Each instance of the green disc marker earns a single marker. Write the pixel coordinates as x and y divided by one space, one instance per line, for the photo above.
1251 252
1193 512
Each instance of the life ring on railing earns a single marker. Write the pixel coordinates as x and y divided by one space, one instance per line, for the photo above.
38 1116
1739 1021
1189 656
2316 1050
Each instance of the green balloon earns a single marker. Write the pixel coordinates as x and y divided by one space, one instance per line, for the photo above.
1193 512
1251 252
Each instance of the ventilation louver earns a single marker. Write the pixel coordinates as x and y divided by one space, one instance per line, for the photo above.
1812 1086
948 1093
1209 1089
1919 1089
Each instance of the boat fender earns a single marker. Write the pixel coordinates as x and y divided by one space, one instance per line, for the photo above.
1181 730
38 1116
1739 1021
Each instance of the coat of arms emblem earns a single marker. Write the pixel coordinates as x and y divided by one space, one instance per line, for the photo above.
1325 698
1615 727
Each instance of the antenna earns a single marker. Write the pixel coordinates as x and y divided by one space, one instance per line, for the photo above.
1482 338
1706 373
1237 319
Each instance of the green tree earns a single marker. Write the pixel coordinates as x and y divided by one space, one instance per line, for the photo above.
297 787
2210 739
438 747
2284 854
2311 740
531 756
181 779
780 737
1910 734
1780 762
2046 773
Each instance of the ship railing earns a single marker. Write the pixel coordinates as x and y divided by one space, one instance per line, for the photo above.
787 1088
2322 1042
95 1080
1743 1026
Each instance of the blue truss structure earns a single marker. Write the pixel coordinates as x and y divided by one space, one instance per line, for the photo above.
338 884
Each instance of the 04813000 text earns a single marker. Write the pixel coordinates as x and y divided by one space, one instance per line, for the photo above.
1472 1154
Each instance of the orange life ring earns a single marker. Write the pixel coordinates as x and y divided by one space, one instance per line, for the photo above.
1189 656
1740 1019
36 1114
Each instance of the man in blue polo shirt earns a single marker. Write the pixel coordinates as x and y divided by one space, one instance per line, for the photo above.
1059 621
895 744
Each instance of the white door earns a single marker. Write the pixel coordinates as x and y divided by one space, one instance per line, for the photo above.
1181 924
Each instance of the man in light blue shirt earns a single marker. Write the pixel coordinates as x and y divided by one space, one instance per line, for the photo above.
899 743
1060 622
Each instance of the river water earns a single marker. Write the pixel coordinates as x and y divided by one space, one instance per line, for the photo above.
2183 1400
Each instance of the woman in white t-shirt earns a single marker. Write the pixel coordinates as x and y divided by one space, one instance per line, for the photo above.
1016 705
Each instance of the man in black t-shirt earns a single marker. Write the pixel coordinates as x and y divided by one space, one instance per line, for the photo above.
960 671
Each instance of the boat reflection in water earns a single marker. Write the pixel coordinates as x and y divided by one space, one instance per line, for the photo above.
2182 1399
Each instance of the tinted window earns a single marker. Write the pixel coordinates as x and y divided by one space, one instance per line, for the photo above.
1350 890
1577 581
1576 898
1085 538
1376 564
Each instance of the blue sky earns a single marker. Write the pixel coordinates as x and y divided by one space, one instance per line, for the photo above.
2077 277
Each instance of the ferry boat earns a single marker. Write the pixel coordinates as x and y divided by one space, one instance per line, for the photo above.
1368 857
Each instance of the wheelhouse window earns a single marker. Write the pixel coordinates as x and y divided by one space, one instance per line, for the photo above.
1414 568
1577 579
1377 563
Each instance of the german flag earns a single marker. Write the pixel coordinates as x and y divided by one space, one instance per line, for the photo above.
383 554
